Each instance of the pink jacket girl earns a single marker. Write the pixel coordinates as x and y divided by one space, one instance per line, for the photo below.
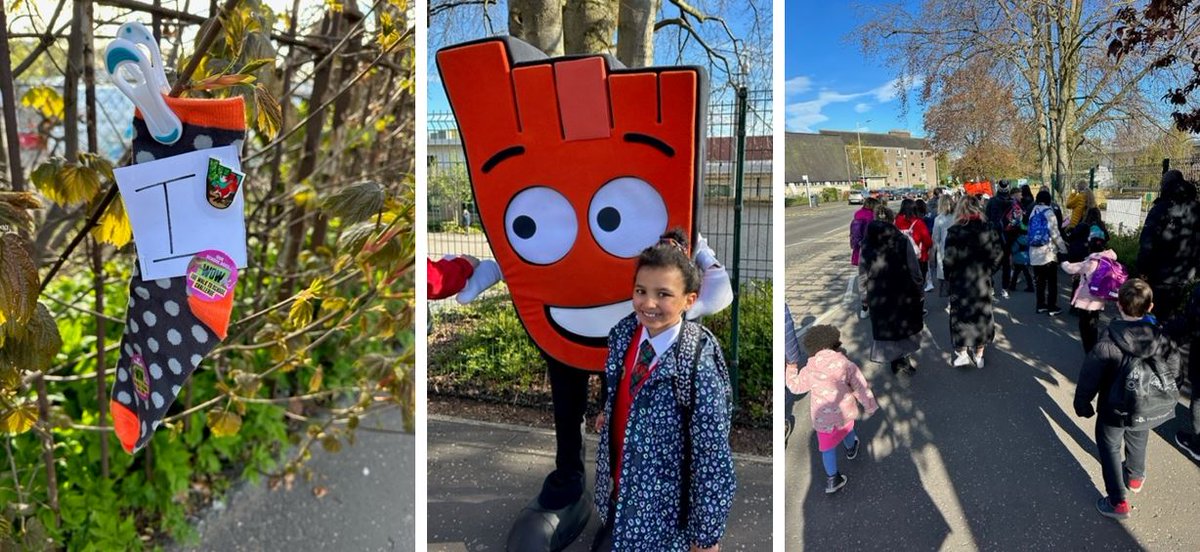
836 384
1083 298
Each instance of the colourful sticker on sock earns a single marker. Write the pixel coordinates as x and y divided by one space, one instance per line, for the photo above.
223 183
211 276
141 376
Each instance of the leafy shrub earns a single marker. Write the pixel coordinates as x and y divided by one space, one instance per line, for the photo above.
829 195
754 350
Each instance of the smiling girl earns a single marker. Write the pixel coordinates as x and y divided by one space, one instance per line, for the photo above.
664 473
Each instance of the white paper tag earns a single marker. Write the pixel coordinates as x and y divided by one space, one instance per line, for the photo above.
172 220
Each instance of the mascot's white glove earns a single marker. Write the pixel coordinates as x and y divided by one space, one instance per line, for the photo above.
486 275
716 293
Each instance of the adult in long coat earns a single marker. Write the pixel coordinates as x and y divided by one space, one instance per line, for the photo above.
973 254
894 297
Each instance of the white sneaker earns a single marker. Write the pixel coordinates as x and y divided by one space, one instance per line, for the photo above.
961 359
928 286
978 361
864 313
1004 293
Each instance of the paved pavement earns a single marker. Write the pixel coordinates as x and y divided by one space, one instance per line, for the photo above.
990 459
481 474
368 502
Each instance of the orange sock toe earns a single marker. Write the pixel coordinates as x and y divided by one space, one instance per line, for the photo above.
125 422
213 314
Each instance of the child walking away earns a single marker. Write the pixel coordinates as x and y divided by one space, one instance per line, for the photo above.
1134 369
1100 278
835 384
664 471
1020 259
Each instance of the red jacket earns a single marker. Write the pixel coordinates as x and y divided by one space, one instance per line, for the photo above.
920 233
447 277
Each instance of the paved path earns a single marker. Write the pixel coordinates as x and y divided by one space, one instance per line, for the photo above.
368 504
481 475
990 459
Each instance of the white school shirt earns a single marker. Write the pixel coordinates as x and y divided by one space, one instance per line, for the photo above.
662 341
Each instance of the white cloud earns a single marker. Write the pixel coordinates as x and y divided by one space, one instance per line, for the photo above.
797 85
803 116
891 89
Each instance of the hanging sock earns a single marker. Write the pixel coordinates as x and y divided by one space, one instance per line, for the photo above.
168 330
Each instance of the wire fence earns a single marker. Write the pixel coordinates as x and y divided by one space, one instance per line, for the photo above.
454 220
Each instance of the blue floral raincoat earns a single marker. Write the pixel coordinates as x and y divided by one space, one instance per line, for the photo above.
647 508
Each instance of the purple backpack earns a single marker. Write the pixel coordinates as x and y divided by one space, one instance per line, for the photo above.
1107 279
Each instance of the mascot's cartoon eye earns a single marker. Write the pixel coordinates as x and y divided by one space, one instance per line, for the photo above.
541 225
626 216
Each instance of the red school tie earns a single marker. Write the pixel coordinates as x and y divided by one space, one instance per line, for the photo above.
641 368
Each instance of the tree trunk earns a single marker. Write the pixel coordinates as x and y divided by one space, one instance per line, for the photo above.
635 32
308 162
590 26
8 99
538 22
71 85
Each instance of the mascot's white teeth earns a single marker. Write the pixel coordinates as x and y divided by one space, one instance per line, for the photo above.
590 321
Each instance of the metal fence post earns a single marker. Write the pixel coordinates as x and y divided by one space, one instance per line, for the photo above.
1166 165
737 237
1092 178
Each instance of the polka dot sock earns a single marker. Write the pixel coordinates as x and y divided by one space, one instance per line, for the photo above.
167 331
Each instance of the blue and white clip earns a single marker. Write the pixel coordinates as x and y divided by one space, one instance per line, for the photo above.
143 82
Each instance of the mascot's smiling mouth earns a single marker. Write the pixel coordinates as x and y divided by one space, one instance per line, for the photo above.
588 325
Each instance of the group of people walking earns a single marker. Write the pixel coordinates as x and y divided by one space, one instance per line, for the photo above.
958 243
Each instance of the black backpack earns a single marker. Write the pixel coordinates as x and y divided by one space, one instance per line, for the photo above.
1144 394
691 345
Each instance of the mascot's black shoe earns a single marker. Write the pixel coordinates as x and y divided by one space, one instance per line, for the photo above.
539 529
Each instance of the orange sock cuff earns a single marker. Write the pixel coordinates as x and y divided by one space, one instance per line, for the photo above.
126 424
213 314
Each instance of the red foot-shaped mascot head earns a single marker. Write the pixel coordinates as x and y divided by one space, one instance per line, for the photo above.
577 164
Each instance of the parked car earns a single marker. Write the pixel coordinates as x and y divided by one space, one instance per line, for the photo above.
856 198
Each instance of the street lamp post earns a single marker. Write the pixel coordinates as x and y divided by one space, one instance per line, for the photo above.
862 169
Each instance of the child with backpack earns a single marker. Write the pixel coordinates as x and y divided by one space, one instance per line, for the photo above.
664 470
1099 277
1020 258
1134 369
1045 243
837 387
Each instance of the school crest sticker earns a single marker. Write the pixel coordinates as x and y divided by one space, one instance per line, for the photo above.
222 183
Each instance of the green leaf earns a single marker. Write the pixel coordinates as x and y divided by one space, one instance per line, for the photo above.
331 444
15 216
19 419
224 423
113 226
69 183
18 282
46 100
317 379
357 202
35 345
268 114
255 64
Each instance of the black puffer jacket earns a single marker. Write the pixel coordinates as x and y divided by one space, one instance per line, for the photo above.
997 207
1169 241
1137 338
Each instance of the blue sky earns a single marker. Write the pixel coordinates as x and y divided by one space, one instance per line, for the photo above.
829 83
466 23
